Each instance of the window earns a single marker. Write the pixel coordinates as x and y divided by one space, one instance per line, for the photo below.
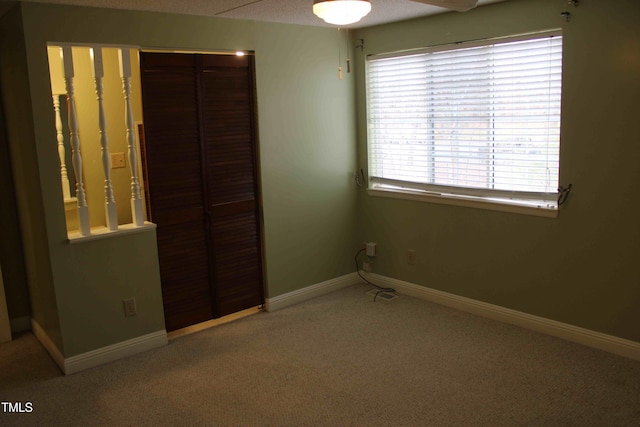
477 122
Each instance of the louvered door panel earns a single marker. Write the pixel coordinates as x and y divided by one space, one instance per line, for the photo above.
229 132
227 94
238 275
175 186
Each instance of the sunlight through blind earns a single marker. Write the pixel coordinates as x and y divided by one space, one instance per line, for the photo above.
479 121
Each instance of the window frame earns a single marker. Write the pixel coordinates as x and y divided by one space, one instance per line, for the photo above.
540 204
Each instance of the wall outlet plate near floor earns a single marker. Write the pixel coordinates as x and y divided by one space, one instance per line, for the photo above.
382 295
129 307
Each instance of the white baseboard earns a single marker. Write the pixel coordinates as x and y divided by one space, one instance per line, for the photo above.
587 337
300 295
20 324
113 352
100 356
46 342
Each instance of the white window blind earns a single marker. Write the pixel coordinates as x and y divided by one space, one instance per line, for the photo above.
481 121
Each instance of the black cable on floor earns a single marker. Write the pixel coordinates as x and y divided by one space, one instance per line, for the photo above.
380 288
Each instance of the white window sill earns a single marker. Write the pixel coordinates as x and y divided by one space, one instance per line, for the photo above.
466 201
98 233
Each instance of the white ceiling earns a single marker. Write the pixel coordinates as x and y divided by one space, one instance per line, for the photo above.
283 11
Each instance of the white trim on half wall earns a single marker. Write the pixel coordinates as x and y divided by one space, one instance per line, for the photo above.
48 344
113 352
110 353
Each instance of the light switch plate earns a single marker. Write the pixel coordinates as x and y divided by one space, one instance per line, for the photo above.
117 160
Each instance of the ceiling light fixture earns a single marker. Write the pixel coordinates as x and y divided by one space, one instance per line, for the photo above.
341 12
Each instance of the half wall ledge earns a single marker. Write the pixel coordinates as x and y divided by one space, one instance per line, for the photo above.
98 233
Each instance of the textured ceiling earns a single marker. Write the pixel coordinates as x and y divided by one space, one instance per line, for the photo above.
284 11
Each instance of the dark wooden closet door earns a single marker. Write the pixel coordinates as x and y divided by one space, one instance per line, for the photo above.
175 186
199 153
229 136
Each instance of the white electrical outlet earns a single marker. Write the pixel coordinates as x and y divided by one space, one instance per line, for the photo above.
129 307
411 257
371 249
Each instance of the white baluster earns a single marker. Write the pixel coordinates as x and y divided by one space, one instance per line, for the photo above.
111 211
64 177
136 200
83 210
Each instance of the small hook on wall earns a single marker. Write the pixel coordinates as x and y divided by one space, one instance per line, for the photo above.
567 15
563 193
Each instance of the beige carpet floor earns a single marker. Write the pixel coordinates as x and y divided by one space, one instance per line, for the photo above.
337 360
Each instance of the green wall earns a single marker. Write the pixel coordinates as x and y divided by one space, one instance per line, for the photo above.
11 250
306 147
579 268
28 194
